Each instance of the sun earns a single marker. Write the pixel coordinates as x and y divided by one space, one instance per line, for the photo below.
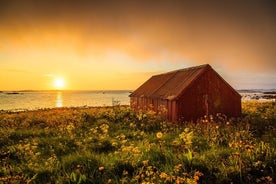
59 83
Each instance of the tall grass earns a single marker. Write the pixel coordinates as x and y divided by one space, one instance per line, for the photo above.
118 145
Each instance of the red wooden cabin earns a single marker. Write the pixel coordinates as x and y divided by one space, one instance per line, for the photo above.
188 94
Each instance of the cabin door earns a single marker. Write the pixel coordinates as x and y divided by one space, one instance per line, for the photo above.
206 104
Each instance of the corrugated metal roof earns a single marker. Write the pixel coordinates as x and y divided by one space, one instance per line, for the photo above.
169 85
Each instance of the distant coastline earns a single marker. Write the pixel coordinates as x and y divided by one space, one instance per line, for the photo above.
17 92
55 90
272 91
258 94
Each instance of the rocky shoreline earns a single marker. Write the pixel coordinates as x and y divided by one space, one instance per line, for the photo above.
259 96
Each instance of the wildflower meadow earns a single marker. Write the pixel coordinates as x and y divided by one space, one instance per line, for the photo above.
119 145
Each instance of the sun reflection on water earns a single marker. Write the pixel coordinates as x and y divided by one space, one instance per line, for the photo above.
59 99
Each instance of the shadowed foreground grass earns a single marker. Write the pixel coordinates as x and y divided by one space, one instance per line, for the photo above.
118 145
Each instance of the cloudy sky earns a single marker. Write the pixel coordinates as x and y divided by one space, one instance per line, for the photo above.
119 44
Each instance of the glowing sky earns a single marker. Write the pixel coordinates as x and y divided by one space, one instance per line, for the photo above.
120 44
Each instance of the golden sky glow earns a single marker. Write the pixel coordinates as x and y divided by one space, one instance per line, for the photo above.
120 44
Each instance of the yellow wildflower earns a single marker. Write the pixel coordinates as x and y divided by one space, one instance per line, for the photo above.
125 173
145 162
163 175
159 135
101 168
196 178
268 178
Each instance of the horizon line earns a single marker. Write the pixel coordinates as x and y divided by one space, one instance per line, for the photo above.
103 90
60 90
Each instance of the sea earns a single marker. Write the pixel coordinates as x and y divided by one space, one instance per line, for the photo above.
34 100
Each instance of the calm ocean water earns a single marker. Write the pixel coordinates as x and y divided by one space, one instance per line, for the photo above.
51 99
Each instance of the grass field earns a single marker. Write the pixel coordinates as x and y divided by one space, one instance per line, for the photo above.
118 145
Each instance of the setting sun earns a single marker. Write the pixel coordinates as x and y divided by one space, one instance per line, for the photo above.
59 83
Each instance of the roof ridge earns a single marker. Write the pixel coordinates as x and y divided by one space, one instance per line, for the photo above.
184 69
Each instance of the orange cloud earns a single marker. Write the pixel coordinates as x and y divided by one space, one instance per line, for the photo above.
232 36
